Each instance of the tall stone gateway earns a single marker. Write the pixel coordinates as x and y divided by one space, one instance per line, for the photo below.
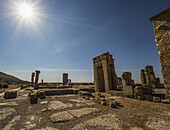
105 78
36 79
32 79
161 24
65 78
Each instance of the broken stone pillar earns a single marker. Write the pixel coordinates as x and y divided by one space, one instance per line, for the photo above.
143 77
126 79
42 81
161 24
36 79
69 81
105 78
148 77
32 79
65 78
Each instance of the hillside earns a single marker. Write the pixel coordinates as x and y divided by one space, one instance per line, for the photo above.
9 79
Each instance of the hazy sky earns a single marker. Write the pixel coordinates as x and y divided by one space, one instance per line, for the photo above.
64 36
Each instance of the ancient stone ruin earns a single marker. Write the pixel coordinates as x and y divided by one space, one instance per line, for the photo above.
36 79
105 78
32 79
161 24
148 77
126 79
65 78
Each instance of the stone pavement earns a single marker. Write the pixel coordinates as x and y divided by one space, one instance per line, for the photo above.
64 112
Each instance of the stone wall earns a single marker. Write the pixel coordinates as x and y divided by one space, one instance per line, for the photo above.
161 23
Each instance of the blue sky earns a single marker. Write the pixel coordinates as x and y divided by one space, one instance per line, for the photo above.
67 34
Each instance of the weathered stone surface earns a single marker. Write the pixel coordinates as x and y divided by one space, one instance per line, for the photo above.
128 90
148 97
8 104
10 94
165 100
33 97
65 78
5 112
148 77
105 78
126 79
83 111
36 79
41 94
32 79
138 90
108 121
58 105
156 99
157 124
161 23
61 117
84 93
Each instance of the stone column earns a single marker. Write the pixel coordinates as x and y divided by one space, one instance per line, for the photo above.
32 79
161 24
36 79
65 78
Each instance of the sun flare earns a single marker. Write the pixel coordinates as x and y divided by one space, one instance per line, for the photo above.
26 11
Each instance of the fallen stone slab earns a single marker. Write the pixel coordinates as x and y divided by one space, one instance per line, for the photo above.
10 94
108 121
61 117
58 105
8 104
83 111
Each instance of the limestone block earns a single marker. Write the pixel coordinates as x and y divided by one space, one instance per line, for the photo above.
10 94
156 99
138 90
33 97
165 101
128 90
148 97
41 94
84 93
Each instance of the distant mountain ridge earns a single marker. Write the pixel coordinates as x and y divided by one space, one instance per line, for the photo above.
9 79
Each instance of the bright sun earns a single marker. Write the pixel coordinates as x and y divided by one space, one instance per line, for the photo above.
26 11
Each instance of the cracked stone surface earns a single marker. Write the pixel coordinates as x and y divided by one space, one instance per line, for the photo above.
58 105
71 114
61 117
103 122
5 112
